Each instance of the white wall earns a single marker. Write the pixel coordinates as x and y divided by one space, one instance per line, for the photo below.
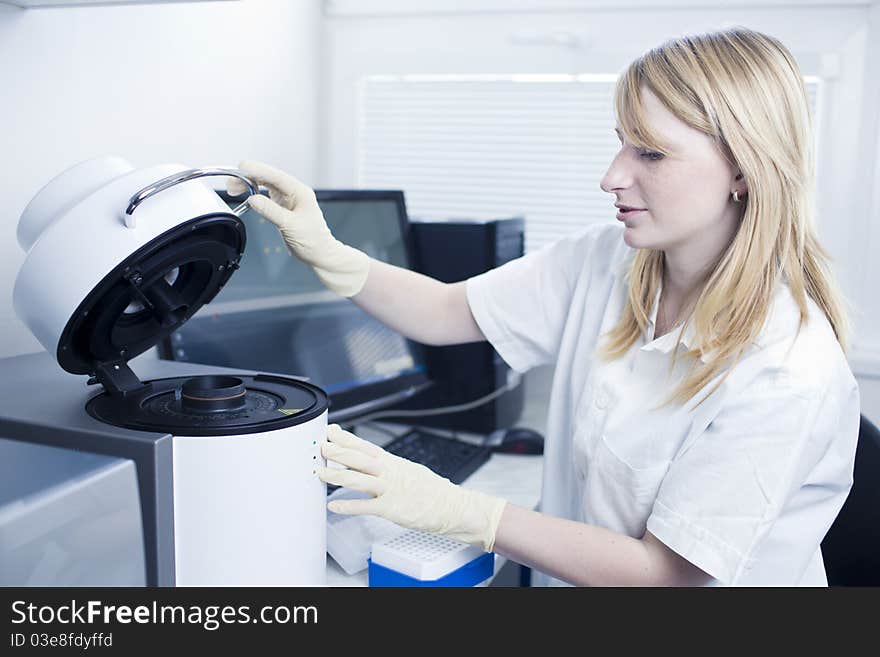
837 42
867 353
198 83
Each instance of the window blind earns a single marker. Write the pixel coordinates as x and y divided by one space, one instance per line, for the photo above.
488 147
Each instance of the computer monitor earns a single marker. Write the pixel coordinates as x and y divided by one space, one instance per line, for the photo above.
275 316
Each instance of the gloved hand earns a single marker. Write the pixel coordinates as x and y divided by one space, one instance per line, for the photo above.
407 493
292 207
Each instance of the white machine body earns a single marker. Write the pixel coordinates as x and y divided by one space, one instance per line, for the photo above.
248 506
249 510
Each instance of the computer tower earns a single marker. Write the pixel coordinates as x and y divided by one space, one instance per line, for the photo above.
450 252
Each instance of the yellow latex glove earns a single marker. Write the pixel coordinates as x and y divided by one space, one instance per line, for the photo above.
292 207
407 493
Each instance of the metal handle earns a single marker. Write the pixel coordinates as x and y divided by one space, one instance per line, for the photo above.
184 176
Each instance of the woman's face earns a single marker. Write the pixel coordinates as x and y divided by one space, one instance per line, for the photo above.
681 200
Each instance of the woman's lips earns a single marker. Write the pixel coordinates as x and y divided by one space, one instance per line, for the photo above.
624 214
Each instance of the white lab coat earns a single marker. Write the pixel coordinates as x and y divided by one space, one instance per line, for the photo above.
745 486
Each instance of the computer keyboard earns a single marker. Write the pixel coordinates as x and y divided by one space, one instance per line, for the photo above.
453 459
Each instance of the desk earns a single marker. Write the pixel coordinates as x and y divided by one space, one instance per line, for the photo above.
515 477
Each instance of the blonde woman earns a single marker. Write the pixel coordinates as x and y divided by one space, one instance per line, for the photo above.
703 417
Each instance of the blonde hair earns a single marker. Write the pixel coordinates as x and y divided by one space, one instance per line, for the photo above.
745 90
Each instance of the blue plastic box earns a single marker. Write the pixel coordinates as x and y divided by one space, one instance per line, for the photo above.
470 574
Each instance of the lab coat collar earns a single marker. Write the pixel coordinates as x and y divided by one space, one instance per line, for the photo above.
783 316
666 343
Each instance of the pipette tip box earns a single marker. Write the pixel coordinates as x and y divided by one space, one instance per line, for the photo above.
416 558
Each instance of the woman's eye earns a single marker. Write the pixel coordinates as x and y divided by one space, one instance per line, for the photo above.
650 155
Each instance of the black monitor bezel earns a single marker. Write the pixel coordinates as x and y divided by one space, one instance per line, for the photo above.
361 400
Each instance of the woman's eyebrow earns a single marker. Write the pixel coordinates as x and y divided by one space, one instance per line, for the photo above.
667 149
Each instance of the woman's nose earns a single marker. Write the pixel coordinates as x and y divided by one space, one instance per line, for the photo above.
618 175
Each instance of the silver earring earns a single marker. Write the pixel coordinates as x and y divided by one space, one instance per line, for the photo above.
736 197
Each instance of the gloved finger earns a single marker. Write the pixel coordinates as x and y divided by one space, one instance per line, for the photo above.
269 209
351 479
353 507
351 458
292 189
338 435
235 187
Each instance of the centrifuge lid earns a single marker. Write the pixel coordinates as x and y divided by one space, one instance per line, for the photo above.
152 293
